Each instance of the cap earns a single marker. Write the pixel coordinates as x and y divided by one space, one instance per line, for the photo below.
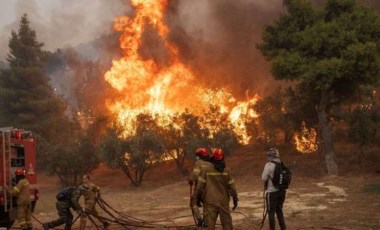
273 152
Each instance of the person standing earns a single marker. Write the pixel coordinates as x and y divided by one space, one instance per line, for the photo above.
90 193
66 199
274 197
219 186
21 190
202 161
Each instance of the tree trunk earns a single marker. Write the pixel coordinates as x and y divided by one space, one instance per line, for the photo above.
326 137
360 156
127 172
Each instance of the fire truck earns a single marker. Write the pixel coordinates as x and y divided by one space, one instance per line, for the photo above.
17 151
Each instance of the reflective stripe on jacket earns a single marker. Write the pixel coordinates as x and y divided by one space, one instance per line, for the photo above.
219 186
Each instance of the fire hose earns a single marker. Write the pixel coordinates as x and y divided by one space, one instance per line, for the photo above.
191 206
128 221
265 211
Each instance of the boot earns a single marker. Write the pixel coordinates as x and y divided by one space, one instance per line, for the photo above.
45 226
105 225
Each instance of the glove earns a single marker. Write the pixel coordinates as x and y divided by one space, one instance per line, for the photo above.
201 222
199 203
190 182
235 203
81 211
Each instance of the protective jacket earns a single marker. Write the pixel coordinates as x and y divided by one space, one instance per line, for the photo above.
89 191
24 212
21 190
219 186
198 167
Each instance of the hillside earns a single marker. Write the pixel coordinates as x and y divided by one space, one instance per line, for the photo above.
314 201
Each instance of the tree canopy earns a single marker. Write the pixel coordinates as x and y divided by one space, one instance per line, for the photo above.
26 98
329 52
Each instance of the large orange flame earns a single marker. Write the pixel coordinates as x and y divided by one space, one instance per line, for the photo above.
306 140
147 86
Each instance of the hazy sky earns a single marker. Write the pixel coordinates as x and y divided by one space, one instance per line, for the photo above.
216 37
60 23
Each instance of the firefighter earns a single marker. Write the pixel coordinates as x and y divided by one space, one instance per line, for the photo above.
63 205
202 161
21 190
90 193
219 186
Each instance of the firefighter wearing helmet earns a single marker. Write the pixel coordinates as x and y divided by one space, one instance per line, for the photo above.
219 186
202 161
21 191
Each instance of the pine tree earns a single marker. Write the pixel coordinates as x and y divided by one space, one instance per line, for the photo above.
26 99
331 52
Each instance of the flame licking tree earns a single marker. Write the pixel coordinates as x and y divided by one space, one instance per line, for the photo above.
146 85
306 140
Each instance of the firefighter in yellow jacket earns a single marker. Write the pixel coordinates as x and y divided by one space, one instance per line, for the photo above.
21 190
219 186
90 193
202 161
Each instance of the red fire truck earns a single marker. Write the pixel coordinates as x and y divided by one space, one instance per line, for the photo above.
17 151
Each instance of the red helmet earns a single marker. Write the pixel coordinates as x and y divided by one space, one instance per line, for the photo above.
20 172
217 154
201 152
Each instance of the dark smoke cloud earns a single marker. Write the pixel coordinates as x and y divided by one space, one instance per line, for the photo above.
79 79
218 40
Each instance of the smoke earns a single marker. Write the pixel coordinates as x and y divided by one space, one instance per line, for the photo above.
218 40
60 24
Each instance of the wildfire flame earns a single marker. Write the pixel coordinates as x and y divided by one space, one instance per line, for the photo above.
147 86
306 140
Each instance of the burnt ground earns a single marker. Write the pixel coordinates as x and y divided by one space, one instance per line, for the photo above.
314 201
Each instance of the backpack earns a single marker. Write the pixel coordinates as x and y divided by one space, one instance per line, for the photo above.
281 176
65 193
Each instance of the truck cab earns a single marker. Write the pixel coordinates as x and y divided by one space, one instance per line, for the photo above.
17 151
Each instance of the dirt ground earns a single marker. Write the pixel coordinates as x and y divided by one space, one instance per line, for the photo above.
349 201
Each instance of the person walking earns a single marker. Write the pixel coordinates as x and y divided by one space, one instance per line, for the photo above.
90 191
21 190
219 186
66 199
274 197
202 161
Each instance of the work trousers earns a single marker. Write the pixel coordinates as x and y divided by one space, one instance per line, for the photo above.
211 212
24 216
275 201
65 217
91 210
